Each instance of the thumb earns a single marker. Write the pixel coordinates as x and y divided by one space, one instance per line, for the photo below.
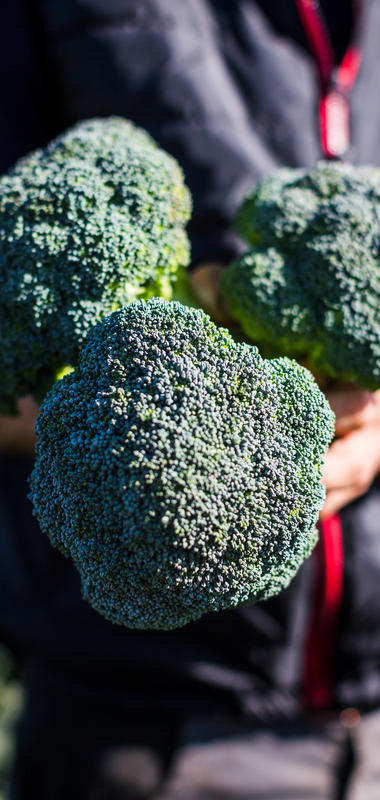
353 409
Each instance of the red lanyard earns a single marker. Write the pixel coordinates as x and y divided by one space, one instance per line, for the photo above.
336 81
324 618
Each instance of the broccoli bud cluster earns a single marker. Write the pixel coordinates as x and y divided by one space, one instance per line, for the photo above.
179 469
87 224
310 286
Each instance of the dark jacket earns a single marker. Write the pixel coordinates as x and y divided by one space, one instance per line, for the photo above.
231 90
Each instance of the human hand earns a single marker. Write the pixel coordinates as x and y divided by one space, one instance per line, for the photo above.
204 281
353 459
17 435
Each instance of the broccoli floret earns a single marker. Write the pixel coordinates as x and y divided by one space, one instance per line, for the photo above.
310 286
179 469
87 224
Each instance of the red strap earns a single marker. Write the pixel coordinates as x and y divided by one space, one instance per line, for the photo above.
324 617
318 38
335 83
349 68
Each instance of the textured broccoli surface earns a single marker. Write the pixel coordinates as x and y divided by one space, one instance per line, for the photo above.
179 469
87 224
310 285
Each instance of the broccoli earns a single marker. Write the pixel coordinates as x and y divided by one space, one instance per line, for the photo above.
179 469
88 224
310 286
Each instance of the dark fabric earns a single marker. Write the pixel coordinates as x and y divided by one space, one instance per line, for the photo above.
231 90
83 746
364 781
227 87
337 14
358 645
226 760
339 17
29 116
248 661
80 744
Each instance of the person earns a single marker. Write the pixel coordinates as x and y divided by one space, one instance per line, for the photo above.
229 706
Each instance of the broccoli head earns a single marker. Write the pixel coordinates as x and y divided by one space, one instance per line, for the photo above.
179 469
310 285
87 224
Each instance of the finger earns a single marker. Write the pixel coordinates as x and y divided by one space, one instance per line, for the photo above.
348 402
204 280
353 409
340 465
337 499
346 405
353 460
17 434
28 407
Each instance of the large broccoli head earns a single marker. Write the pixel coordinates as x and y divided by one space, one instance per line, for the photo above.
178 469
310 286
86 225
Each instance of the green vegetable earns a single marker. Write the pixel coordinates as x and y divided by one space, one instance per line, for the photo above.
87 224
179 469
310 286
